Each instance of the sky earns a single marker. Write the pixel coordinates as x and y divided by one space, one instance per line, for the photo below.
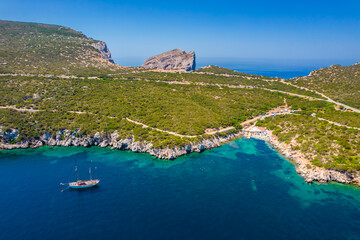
287 31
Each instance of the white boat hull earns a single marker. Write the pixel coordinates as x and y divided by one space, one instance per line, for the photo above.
84 184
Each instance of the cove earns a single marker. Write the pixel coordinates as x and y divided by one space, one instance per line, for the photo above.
241 190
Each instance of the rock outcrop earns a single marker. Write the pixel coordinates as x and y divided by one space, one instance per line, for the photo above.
310 172
103 49
172 60
10 140
66 138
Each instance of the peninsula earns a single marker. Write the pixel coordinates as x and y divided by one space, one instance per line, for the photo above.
61 88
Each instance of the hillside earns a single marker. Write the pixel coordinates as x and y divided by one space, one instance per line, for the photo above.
34 48
166 114
220 70
341 83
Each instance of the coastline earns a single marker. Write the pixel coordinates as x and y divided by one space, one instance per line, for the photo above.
303 166
68 138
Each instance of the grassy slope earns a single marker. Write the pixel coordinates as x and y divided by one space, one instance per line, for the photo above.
185 109
337 82
326 145
220 70
48 49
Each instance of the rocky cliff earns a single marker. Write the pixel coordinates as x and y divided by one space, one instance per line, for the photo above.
175 59
66 138
103 50
307 170
34 48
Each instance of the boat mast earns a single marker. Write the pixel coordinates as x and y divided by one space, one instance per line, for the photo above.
90 172
77 174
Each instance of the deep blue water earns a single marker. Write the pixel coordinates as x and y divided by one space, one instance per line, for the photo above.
284 68
242 190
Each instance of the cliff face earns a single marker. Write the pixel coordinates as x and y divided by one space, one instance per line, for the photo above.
174 59
34 48
68 138
103 50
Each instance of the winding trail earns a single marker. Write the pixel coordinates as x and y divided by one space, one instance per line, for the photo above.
219 85
210 132
160 130
328 99
337 124
323 95
184 82
20 109
128 119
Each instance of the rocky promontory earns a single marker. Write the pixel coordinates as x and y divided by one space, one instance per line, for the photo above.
66 138
309 171
172 60
103 50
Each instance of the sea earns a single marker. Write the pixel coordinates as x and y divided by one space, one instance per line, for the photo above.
283 68
242 190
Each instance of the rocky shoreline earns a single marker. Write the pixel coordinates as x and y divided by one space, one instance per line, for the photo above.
68 138
306 169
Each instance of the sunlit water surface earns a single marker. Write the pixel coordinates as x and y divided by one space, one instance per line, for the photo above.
242 190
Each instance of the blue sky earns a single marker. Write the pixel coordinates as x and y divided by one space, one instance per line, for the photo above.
286 30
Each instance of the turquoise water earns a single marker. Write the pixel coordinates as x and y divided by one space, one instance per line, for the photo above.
242 190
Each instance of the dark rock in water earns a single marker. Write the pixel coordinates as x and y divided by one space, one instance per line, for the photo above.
175 59
201 147
104 51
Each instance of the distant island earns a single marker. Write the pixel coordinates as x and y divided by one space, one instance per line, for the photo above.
61 88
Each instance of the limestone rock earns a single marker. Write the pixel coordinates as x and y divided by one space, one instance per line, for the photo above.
174 59
104 143
51 142
38 144
104 51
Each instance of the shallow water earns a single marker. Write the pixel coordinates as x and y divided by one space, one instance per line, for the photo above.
242 190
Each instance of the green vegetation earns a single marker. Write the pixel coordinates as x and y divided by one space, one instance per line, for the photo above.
220 70
241 81
185 109
325 144
34 124
48 49
94 95
258 82
337 82
351 119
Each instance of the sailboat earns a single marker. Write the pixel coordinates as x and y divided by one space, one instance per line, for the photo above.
83 183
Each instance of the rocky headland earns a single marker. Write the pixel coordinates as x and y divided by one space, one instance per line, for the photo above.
306 169
103 50
172 60
68 138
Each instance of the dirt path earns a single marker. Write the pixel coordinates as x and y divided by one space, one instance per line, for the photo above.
160 130
238 86
323 95
337 124
44 75
218 85
249 121
20 109
220 131
128 119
